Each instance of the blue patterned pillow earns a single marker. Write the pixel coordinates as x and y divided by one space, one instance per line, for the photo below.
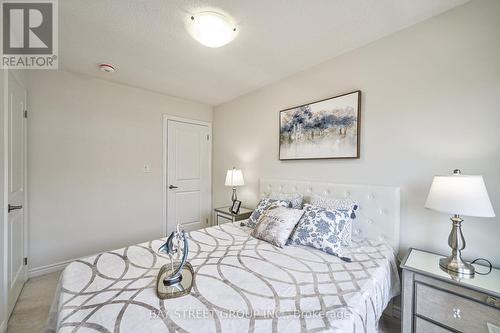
322 229
263 205
338 204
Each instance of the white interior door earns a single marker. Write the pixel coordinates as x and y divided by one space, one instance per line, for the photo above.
16 270
188 172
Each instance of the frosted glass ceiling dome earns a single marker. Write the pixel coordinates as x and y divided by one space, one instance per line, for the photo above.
211 29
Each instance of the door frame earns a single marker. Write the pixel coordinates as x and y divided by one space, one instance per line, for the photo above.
166 118
5 177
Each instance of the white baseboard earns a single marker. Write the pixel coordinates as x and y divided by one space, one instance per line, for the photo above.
42 270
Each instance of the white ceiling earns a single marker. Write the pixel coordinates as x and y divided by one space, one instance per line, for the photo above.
147 42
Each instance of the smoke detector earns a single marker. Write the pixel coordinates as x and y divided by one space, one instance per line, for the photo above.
107 68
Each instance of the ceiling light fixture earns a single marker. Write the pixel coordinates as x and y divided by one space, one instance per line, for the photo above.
107 68
211 29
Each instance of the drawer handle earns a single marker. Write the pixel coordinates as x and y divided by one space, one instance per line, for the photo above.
456 313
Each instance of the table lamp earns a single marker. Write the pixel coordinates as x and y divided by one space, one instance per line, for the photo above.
234 178
459 195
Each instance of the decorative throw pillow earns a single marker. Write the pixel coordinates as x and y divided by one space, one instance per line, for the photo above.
263 205
295 199
333 204
276 224
322 229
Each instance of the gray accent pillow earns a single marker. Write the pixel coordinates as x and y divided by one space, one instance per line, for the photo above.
322 229
276 224
295 199
263 205
332 204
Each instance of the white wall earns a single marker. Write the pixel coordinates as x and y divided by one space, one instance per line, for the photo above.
88 142
431 103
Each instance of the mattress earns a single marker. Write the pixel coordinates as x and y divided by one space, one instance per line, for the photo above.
242 284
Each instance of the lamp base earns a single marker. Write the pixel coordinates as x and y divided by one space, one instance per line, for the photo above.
234 197
454 265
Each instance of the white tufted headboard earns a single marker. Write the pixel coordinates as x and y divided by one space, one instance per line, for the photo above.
377 216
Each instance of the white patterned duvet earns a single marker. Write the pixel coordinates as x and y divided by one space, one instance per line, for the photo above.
241 285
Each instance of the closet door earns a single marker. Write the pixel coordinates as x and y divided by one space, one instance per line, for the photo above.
16 176
188 172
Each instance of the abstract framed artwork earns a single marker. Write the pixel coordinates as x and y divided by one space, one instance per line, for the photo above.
321 130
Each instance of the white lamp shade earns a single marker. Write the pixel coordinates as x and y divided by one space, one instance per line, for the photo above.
234 177
460 194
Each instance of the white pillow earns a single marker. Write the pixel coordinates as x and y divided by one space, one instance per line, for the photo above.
296 199
331 203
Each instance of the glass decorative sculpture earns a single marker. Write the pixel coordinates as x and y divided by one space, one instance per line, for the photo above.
175 279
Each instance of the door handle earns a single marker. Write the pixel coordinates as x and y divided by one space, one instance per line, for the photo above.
13 207
172 187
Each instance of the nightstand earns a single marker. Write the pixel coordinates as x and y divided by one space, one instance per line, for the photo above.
223 215
435 302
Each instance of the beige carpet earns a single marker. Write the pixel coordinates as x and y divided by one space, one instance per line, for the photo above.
389 325
32 309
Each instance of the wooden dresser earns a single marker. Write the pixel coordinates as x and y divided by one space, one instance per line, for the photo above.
435 302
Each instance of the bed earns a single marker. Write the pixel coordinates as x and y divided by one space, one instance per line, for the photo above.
243 284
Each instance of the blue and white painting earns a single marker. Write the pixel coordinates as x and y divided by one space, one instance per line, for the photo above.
324 129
